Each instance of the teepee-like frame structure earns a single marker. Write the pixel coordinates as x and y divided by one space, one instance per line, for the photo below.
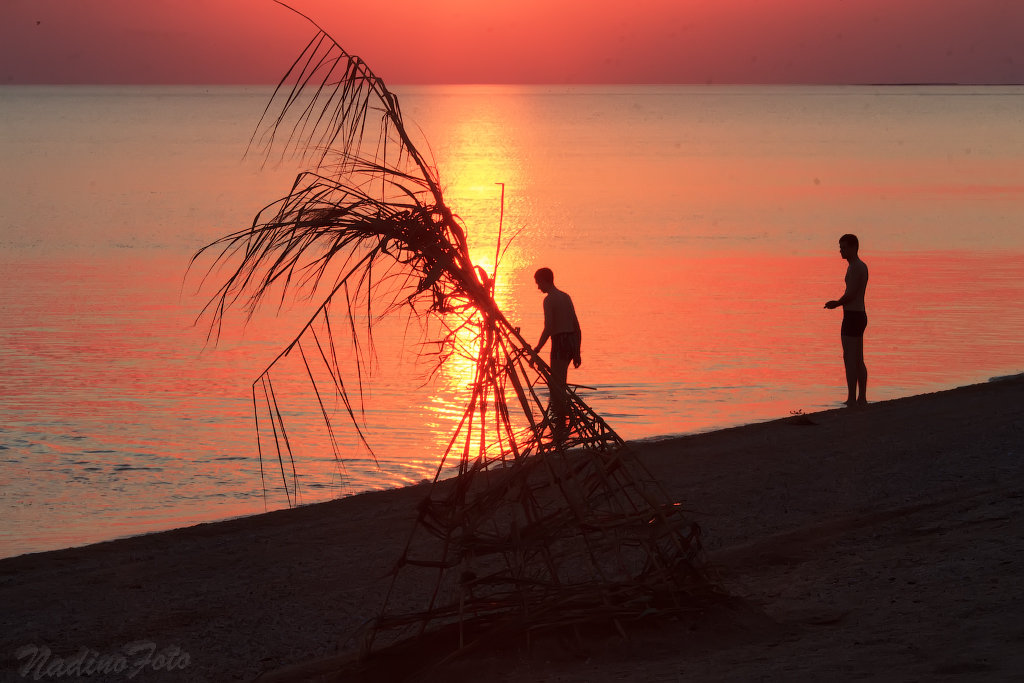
534 530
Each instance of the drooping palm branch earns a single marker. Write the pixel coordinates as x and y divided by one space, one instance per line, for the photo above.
537 524
366 231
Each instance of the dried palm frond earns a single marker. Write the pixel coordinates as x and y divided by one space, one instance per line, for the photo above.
544 524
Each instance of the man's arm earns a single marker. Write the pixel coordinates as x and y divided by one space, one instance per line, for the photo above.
577 360
543 340
856 283
546 334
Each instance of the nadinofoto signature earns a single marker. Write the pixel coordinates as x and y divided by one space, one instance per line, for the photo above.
40 662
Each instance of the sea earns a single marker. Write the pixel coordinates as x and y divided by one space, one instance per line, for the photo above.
695 227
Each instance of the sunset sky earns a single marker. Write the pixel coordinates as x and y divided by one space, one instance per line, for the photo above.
520 41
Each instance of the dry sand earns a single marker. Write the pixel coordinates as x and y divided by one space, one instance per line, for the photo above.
883 543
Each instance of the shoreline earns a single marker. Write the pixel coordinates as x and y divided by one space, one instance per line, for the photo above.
638 443
872 540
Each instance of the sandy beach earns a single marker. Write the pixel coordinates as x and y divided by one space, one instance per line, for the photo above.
883 543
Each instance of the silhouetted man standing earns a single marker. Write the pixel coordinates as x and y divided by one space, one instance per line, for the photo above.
855 320
563 328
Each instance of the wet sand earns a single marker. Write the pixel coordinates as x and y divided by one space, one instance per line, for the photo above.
883 543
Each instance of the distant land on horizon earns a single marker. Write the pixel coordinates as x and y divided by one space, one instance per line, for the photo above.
872 84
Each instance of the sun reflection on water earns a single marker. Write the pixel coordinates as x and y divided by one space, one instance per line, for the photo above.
482 162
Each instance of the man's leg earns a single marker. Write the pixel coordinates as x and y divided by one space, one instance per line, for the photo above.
559 376
856 371
862 374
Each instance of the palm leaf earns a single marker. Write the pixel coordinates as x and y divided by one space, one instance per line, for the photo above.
368 221
528 527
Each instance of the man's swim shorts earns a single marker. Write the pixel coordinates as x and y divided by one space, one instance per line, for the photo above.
854 323
565 346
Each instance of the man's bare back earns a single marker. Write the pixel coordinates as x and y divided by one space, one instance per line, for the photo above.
856 285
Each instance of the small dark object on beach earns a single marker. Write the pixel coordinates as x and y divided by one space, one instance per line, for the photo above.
798 417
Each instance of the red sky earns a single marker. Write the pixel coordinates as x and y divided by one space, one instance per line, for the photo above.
520 41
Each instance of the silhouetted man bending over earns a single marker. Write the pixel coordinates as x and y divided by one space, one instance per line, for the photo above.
855 320
563 328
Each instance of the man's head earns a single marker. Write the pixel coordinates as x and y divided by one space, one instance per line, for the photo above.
545 279
849 245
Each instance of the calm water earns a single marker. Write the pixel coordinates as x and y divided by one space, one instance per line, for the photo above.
695 227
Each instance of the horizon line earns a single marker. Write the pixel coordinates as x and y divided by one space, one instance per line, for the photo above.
534 83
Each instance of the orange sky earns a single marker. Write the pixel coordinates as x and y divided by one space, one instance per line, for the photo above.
520 41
